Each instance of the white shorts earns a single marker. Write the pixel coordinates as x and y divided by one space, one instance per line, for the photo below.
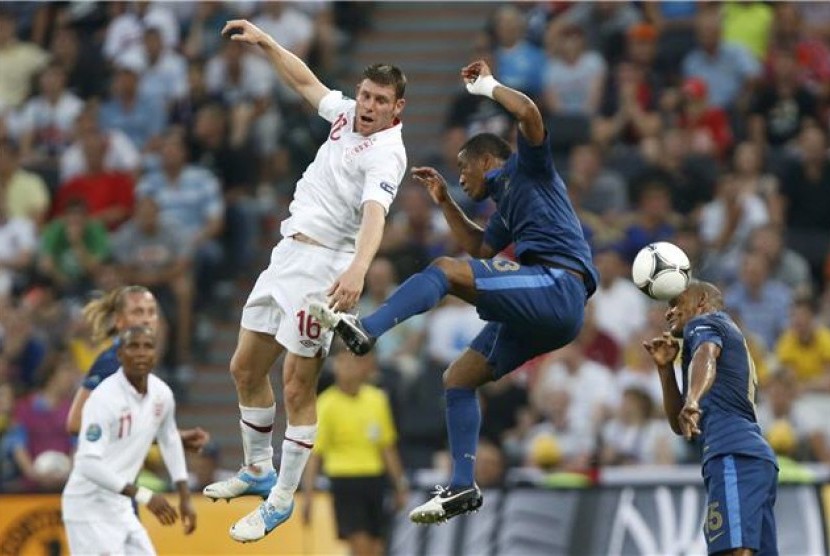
298 274
108 537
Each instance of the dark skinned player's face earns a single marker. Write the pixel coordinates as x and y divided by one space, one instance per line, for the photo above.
681 309
138 355
472 170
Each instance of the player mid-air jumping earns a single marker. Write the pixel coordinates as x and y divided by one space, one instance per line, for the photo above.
532 306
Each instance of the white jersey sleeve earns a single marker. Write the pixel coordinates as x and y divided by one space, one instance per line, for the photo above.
384 170
334 104
92 446
170 442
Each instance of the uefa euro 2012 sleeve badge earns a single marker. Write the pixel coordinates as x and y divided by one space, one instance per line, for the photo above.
93 432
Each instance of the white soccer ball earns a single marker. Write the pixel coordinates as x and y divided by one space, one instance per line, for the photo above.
53 463
661 270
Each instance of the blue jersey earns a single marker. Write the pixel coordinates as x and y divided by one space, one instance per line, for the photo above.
728 423
105 365
534 212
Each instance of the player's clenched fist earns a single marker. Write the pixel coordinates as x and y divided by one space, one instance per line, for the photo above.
161 508
663 349
434 182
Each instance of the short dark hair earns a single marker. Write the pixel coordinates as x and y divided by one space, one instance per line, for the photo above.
487 143
387 74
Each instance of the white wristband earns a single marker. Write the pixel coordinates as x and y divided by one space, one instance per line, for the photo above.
143 495
483 86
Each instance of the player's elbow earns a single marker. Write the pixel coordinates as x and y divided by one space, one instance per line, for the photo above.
674 423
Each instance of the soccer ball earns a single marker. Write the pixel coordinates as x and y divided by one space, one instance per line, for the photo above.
661 270
52 462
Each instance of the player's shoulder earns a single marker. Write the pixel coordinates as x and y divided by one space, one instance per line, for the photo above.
706 323
106 393
372 394
159 387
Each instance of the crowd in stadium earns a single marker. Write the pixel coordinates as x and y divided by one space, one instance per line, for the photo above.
136 146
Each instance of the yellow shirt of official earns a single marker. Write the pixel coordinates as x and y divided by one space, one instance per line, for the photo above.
352 431
807 361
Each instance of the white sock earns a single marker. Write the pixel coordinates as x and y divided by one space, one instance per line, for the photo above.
256 425
296 448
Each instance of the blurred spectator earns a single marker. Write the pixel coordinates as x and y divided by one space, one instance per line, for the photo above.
490 465
38 426
72 247
502 402
805 183
139 117
762 304
120 155
727 69
18 245
703 261
183 111
633 436
605 24
400 348
81 61
629 108
416 233
23 193
786 266
20 61
22 350
108 194
641 50
782 106
727 221
652 221
154 253
518 60
598 345
573 77
450 329
245 83
203 466
590 386
749 25
204 39
690 177
236 168
189 196
674 22
601 190
804 348
619 307
811 53
748 171
294 28
560 440
164 80
51 314
708 126
45 122
786 425
639 372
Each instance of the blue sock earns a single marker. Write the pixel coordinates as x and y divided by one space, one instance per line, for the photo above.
463 423
420 293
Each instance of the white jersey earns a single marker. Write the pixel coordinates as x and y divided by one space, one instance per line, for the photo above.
117 430
349 170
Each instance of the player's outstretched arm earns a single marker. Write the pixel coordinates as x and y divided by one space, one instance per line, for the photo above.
289 67
480 81
466 232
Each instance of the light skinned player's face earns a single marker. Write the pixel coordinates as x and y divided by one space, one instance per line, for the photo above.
377 107
140 309
138 355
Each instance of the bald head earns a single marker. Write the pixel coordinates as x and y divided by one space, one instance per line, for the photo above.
708 293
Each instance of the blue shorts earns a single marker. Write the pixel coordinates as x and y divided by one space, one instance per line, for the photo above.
530 309
741 493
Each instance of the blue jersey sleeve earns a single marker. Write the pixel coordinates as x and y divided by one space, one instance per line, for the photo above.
496 235
535 160
105 365
701 330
